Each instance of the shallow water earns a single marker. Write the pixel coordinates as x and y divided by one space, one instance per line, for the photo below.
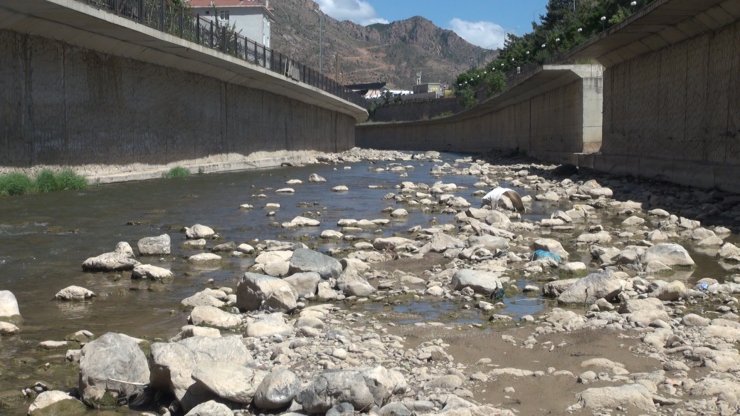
44 239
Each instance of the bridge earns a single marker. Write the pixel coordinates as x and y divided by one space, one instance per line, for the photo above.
123 81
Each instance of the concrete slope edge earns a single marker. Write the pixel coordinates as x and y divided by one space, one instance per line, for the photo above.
140 42
228 162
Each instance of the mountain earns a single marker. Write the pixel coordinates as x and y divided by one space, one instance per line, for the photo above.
392 52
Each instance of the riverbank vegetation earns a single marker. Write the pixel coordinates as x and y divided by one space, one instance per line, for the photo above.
565 25
176 172
45 181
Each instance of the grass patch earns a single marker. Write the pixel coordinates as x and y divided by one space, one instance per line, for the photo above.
176 172
15 184
45 181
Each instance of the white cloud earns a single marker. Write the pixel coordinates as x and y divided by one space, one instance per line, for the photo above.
484 34
358 11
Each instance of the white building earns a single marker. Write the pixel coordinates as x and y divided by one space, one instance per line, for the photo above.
251 18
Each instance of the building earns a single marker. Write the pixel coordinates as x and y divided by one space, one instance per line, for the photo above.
250 18
428 90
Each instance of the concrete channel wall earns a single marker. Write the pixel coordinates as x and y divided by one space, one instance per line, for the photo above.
93 88
672 94
552 114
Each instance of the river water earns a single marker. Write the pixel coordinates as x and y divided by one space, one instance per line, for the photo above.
45 237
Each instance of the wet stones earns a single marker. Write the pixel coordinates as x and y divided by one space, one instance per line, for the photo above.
199 231
204 259
122 258
74 293
154 246
112 364
8 305
300 221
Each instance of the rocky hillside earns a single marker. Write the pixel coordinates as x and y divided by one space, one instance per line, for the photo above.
392 52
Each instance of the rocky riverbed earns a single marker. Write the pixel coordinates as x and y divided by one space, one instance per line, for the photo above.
606 296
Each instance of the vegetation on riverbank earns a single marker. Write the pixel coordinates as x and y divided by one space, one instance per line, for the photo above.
45 181
565 25
176 172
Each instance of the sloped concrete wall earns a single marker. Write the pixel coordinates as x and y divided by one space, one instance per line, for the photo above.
674 114
61 104
552 125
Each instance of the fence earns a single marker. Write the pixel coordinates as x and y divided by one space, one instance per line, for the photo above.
177 20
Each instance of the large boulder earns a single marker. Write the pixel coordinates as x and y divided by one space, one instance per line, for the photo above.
8 305
255 291
199 231
74 293
234 383
114 364
631 396
333 387
56 403
173 364
214 317
305 260
670 254
277 390
480 281
122 258
148 271
351 283
553 246
305 284
210 408
268 325
592 287
154 246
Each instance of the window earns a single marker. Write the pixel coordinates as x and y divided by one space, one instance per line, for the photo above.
224 14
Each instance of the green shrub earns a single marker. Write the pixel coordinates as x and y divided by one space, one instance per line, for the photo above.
177 172
46 181
15 184
67 180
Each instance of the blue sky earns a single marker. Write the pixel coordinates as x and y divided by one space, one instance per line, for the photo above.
480 22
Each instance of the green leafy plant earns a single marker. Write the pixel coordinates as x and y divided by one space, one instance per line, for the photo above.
15 184
177 172
67 180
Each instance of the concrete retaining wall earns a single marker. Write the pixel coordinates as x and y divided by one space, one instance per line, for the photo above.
552 115
675 113
61 104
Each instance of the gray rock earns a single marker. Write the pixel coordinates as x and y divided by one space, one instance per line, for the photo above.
202 298
154 246
490 242
480 281
592 287
147 271
210 408
122 258
353 285
173 364
550 245
304 260
669 254
634 396
644 311
255 291
56 403
305 284
214 317
8 305
112 363
672 291
394 409
268 325
74 293
441 242
277 390
231 382
199 231
224 247
6 328
333 387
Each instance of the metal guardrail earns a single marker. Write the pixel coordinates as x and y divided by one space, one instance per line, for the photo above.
177 20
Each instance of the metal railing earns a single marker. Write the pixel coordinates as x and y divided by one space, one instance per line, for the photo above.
178 21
